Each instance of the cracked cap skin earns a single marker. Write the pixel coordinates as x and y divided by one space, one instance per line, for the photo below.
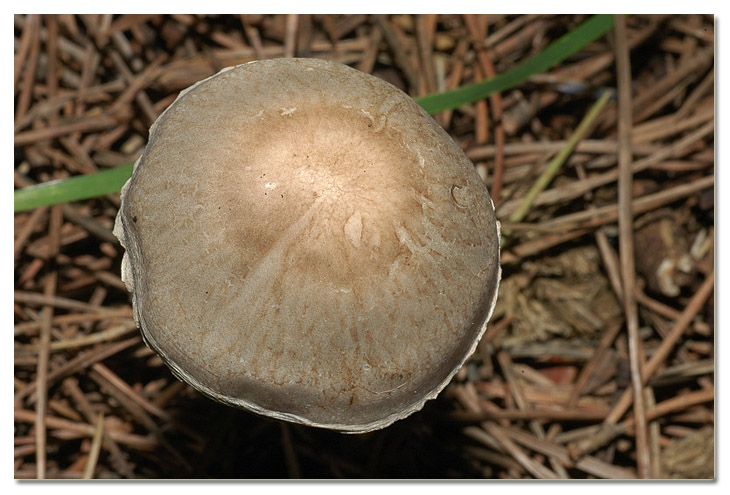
304 241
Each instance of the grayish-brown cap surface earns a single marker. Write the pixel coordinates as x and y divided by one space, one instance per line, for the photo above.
304 241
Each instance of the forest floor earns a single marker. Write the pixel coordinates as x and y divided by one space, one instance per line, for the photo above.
548 394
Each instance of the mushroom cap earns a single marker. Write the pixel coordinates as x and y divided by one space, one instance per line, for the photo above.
304 241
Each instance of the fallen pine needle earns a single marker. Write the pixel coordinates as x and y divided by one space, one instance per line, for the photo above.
95 448
542 182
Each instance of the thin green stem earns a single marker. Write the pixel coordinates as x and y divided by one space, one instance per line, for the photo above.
547 176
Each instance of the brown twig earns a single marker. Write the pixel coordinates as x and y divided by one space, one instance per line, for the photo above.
30 326
602 146
537 470
80 362
609 431
425 25
609 335
29 73
56 302
399 55
290 39
455 76
44 345
506 365
609 213
626 243
95 448
85 124
118 458
481 120
589 464
487 67
87 430
702 59
594 413
661 353
578 188
97 337
27 229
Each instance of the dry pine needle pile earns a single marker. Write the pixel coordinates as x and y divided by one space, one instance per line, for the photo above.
548 394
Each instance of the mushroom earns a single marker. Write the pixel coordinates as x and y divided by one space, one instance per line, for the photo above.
305 242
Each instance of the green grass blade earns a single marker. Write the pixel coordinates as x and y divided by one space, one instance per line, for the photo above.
110 181
72 189
589 31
